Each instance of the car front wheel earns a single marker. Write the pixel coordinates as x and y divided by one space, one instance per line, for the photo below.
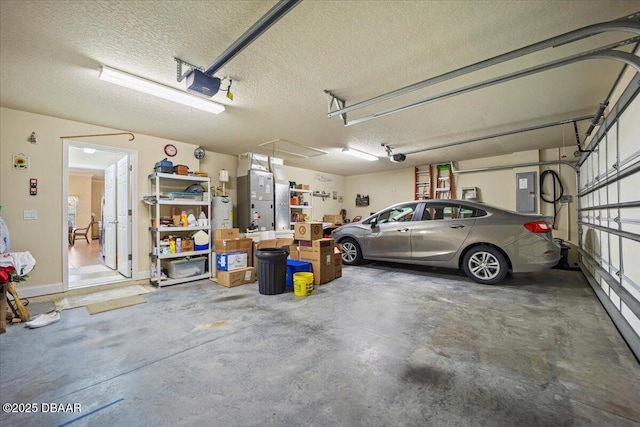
485 264
351 253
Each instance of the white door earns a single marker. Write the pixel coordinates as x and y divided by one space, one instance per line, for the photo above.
124 218
109 225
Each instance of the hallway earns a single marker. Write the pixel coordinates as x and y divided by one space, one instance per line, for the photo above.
86 266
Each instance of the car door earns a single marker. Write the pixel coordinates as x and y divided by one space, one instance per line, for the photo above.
390 235
443 228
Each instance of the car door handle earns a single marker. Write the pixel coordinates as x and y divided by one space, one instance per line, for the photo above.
457 226
403 230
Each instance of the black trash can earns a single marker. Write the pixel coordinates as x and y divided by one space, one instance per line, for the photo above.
272 270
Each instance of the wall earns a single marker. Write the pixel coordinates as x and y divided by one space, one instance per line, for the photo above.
496 188
97 188
45 237
80 186
383 189
319 182
566 225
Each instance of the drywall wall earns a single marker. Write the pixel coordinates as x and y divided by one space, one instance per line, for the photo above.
383 189
566 224
497 187
80 188
45 237
320 182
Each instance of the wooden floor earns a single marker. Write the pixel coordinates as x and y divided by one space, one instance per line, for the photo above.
86 266
83 254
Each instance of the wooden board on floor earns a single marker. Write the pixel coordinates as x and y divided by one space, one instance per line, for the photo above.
114 304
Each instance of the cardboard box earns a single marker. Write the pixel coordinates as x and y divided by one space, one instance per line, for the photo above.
271 243
321 265
236 277
236 245
187 245
334 219
231 261
302 186
337 261
227 233
320 245
307 231
294 252
233 245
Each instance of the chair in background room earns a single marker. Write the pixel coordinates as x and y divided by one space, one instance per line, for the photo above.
82 232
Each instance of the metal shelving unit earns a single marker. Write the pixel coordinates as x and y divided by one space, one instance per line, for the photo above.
167 189
296 210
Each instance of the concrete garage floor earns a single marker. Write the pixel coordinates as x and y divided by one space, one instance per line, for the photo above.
378 347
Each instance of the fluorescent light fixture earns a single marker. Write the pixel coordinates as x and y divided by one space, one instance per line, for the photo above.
359 154
130 81
89 150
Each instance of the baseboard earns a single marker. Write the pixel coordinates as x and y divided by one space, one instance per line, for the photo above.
38 290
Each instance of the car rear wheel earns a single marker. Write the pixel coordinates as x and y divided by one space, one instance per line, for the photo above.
485 264
351 253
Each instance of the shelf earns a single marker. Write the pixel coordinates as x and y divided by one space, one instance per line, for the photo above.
183 202
296 190
181 254
300 207
180 177
158 185
167 282
163 229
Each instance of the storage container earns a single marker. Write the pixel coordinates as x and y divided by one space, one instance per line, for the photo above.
231 261
295 266
181 169
186 267
164 166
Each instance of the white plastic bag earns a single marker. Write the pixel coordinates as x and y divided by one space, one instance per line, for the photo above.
5 246
23 262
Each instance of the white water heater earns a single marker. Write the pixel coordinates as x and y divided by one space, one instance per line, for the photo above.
221 212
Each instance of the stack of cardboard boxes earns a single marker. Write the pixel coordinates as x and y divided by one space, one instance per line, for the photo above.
236 263
234 258
323 254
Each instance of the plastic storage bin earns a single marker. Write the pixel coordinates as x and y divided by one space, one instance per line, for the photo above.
295 266
186 267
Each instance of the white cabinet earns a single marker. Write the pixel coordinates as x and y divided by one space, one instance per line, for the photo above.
169 196
303 204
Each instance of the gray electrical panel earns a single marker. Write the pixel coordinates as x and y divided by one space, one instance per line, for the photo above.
526 200
255 193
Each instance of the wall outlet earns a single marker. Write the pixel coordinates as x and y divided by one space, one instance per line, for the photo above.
565 199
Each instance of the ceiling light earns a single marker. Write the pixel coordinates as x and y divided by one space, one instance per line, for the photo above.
89 150
156 89
359 154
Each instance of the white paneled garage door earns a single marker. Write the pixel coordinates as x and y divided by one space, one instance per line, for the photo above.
609 214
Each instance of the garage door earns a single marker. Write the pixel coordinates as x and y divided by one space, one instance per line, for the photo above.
609 214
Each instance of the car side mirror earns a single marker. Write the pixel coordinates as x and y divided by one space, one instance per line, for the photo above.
374 223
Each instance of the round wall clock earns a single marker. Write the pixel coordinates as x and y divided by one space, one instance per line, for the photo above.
199 153
170 150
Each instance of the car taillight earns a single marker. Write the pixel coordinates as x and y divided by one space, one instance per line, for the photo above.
538 227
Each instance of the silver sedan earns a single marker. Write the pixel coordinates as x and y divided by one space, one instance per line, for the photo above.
483 241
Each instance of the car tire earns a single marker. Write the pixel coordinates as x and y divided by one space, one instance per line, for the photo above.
351 252
485 265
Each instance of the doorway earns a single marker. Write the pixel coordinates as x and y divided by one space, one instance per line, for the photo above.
98 191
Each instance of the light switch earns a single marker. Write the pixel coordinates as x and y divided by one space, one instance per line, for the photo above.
30 214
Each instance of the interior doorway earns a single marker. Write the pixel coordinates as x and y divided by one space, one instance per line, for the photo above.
98 191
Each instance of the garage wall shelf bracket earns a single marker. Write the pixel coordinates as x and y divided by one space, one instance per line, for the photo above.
630 23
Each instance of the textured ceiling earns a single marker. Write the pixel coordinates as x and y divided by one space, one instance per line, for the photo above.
51 53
